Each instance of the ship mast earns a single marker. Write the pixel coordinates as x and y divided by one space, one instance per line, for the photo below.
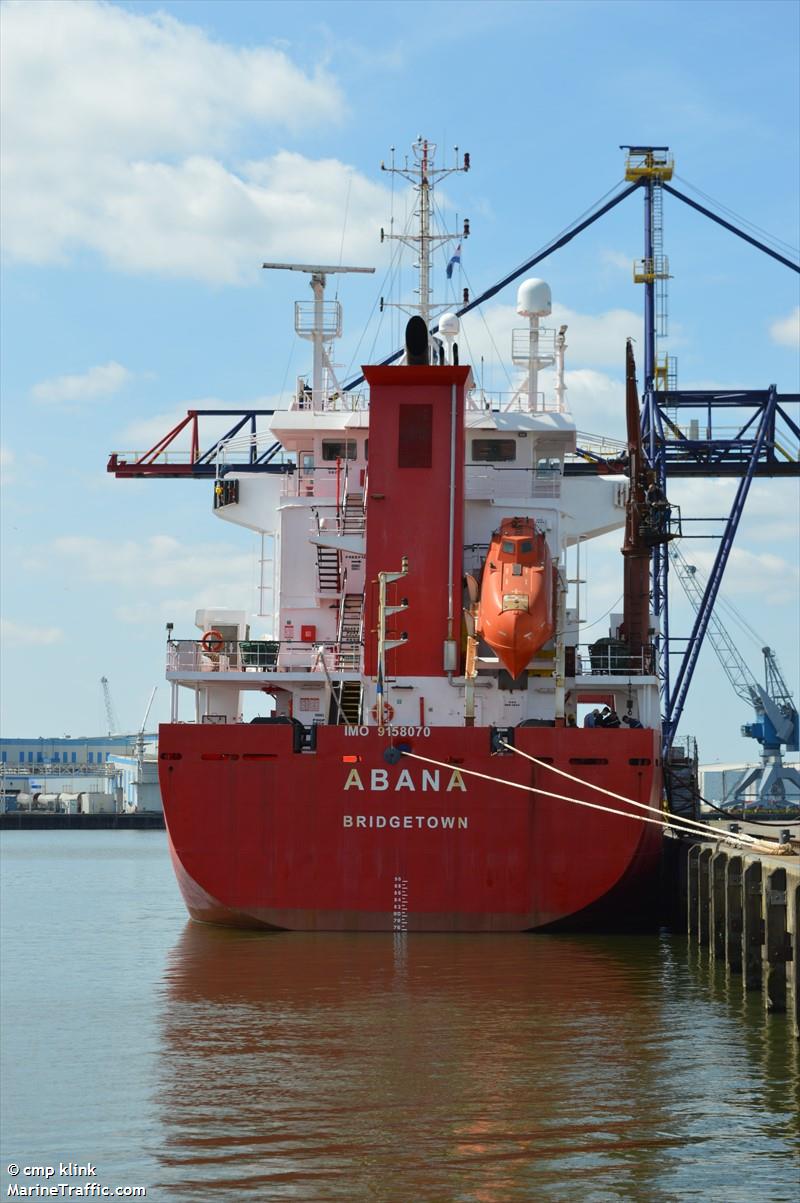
321 322
423 175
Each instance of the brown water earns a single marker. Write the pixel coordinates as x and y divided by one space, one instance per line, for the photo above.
215 1065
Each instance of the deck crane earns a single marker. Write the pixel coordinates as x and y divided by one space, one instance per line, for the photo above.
776 726
111 718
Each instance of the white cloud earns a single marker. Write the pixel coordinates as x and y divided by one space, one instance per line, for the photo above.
93 72
161 561
101 381
786 331
770 577
617 259
597 402
771 512
16 634
169 579
118 133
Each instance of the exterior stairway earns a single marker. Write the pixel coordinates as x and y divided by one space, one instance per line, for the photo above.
353 514
328 578
350 623
349 696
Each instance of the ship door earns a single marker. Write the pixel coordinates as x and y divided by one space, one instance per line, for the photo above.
306 473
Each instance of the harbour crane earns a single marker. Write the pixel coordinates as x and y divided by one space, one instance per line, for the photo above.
776 726
112 722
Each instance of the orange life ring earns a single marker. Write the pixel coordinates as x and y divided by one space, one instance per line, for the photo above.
388 712
212 642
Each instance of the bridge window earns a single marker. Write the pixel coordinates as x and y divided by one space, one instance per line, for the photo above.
494 451
333 449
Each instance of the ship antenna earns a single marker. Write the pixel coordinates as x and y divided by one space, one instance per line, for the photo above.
424 175
319 322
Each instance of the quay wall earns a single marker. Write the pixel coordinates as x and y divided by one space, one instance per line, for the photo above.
744 907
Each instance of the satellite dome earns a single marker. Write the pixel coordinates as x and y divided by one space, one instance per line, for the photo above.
449 324
534 299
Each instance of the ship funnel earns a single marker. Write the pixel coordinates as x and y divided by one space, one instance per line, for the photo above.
416 341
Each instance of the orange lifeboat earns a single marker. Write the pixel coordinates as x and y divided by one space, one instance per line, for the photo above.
516 614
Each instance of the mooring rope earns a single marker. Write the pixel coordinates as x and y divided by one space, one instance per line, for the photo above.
698 827
673 821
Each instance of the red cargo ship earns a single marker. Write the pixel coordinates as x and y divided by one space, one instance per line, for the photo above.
420 761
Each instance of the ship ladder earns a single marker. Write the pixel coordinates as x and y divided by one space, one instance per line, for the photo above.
348 654
329 580
353 514
346 703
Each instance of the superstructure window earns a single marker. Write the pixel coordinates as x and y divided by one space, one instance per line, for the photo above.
333 449
494 451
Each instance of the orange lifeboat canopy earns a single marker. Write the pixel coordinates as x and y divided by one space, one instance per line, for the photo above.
516 614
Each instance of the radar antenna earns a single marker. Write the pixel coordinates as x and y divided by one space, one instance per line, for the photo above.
320 322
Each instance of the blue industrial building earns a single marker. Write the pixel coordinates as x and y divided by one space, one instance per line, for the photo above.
41 753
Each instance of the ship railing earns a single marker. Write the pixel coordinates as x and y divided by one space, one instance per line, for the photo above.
323 481
479 400
601 445
262 655
326 401
338 524
610 658
170 456
490 480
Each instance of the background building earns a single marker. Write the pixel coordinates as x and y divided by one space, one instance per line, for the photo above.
51 773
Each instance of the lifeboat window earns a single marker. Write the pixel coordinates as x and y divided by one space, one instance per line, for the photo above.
516 570
494 451
415 441
508 547
526 545
333 449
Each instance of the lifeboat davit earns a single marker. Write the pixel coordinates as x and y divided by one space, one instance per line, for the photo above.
516 611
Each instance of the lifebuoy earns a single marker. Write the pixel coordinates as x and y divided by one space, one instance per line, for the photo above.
212 642
388 712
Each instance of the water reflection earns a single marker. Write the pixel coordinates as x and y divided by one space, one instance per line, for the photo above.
335 1067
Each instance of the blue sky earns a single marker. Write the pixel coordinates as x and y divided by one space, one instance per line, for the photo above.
155 154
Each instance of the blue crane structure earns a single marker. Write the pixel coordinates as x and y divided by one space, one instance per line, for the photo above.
694 446
776 726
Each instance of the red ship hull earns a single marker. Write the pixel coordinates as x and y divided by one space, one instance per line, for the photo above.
340 840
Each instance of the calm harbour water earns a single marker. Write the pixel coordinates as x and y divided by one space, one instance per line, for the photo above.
214 1065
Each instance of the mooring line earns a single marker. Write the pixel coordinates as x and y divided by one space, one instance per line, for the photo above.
695 824
728 837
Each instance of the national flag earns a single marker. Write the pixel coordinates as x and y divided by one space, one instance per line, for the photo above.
456 259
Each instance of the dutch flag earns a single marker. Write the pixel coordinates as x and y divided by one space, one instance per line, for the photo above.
456 259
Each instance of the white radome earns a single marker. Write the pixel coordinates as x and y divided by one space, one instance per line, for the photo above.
534 299
449 324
